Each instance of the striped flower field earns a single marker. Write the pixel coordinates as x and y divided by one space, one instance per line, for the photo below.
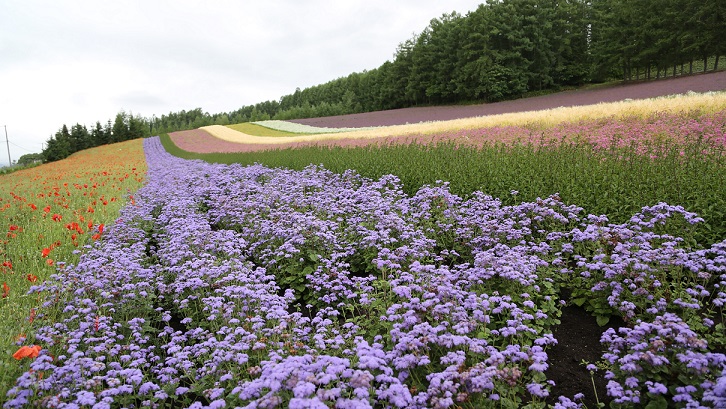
247 286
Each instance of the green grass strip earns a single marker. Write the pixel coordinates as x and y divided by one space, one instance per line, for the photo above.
616 182
259 130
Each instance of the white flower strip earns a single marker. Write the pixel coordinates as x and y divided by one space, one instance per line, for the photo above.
293 127
691 102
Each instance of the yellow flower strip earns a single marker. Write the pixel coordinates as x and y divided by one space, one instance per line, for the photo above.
687 103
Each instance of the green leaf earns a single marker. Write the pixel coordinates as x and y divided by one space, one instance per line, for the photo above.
659 402
602 320
579 301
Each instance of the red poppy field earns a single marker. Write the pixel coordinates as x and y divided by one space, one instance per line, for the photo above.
48 214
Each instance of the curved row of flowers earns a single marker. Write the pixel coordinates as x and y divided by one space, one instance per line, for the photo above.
231 286
293 127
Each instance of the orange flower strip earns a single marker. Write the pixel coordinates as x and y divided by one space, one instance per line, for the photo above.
27 352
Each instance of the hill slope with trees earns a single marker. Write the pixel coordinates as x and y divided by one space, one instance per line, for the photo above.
505 49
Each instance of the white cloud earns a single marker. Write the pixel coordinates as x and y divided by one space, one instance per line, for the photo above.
67 62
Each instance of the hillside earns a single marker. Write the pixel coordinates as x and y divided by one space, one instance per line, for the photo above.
714 81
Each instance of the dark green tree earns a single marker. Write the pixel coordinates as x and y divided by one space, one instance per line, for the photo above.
29 159
120 130
80 138
137 127
569 39
58 146
99 136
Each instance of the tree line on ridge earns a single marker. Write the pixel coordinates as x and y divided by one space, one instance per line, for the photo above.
505 49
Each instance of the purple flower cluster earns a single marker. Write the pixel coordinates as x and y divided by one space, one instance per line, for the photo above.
250 287
645 357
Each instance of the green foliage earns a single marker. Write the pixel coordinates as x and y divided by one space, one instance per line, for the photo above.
64 143
29 159
634 38
613 182
10 169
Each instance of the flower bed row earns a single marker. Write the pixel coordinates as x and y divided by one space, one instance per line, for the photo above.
47 212
293 127
231 286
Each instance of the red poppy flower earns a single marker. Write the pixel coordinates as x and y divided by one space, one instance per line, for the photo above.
27 352
45 252
6 290
56 217
32 278
13 227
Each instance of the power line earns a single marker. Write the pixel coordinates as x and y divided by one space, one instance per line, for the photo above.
18 146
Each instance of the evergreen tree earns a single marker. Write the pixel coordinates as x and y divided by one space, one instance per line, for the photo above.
58 146
79 138
120 130
570 38
98 135
137 127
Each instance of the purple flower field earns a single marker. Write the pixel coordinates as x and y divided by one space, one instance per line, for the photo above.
226 286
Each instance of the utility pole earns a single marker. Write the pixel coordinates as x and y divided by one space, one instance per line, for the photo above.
7 142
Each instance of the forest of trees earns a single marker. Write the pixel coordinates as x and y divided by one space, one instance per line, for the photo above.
504 49
65 142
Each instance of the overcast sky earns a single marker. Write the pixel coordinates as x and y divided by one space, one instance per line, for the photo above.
68 62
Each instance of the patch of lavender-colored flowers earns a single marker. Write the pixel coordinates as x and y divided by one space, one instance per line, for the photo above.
231 286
